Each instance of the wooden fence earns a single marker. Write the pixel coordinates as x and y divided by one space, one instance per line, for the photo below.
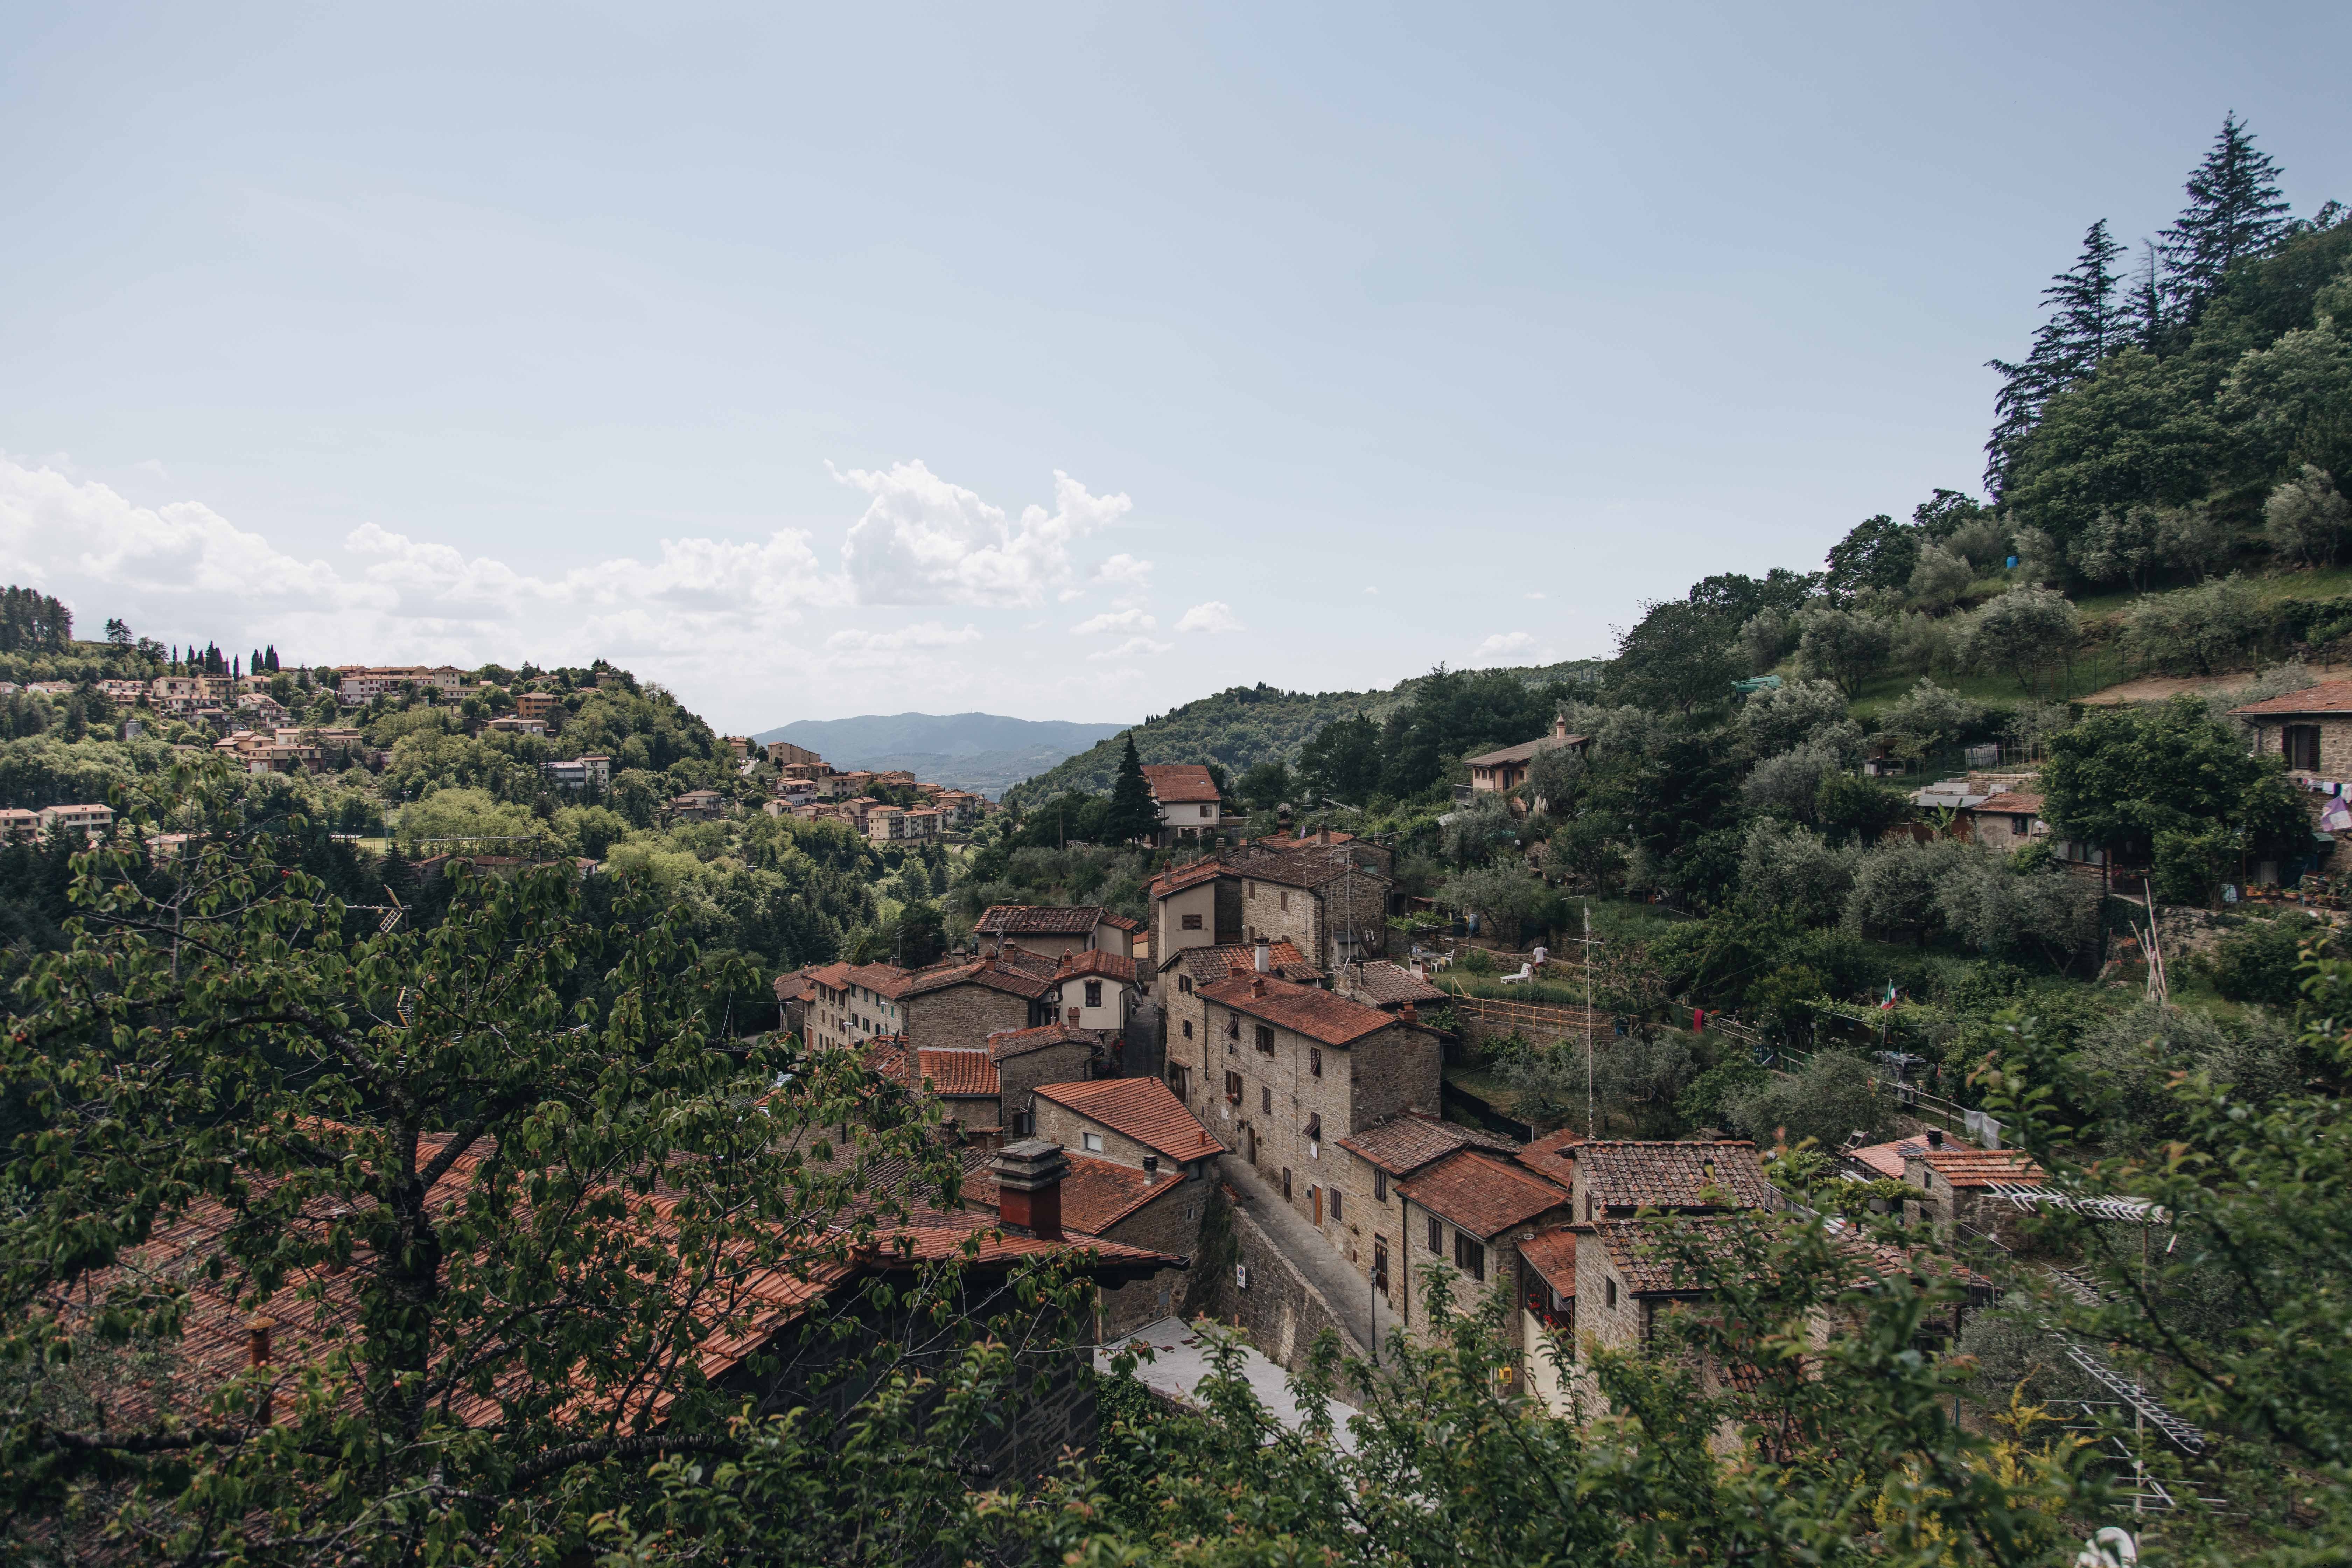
1534 1019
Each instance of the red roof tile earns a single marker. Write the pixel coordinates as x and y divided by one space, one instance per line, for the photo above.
1180 783
1383 984
1094 960
2328 697
1304 1009
1040 920
1208 965
1176 878
1020 1042
1886 1158
1480 1194
1406 1143
1680 1175
1143 1109
1005 972
1097 1193
1552 1254
1983 1167
2009 803
960 1072
1553 1156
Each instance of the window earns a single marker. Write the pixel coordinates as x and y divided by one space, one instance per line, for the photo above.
1612 1286
1188 1028
1179 1078
1233 1087
1286 1184
1184 984
1090 1142
1315 1061
1314 1128
1205 810
2020 826
1263 1035
1266 1099
1192 922
1249 888
1436 1236
1094 992
1380 1185
1470 1256
1024 1123
2302 746
1335 1206
1285 898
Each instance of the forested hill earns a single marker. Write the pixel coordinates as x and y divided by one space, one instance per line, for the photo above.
1242 726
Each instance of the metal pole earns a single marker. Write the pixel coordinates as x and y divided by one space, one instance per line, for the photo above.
1588 1016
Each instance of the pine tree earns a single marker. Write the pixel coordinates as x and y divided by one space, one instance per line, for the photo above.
270 653
2082 326
2234 211
2144 315
1133 813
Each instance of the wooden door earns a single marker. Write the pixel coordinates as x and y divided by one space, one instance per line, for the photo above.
1380 1266
1317 1194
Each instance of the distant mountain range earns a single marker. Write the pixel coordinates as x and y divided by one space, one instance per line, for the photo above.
982 752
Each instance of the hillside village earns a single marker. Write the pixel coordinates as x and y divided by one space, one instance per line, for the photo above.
1877 1033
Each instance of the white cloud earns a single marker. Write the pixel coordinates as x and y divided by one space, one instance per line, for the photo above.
923 540
1132 647
1538 593
1505 645
1371 590
1124 573
1128 620
1216 615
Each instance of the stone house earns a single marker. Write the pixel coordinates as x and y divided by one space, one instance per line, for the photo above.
1620 1178
1368 1228
1391 987
1130 1120
2007 821
963 1079
1156 1210
1181 982
1285 1071
1472 1210
1047 1053
1055 929
1194 905
963 1003
1189 803
1362 851
1331 908
1960 1186
2310 731
1501 772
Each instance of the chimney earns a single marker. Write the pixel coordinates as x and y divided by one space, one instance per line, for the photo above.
1408 1014
1029 1188
1560 728
1935 1137
1258 984
257 1341
1265 955
1151 1168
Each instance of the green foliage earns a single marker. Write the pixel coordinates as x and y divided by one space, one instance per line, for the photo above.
2195 631
1842 648
2123 776
2261 959
1706 1102
1132 816
1833 1095
1679 656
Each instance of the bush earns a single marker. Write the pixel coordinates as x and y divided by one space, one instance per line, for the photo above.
2194 631
2262 962
1830 1097
1706 1102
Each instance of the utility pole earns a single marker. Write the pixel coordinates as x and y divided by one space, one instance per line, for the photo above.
1587 1016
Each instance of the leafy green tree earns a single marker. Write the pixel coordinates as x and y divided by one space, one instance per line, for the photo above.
2289 406
1842 648
1833 1095
1132 815
2143 429
1787 870
2083 325
1877 552
1940 576
2123 776
2262 961
1678 657
2306 519
1266 785
2202 630
1343 762
2027 634
494 1181
1896 887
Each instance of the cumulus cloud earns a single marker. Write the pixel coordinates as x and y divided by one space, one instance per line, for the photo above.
1368 589
1131 648
1127 620
923 540
1505 645
1122 574
1538 593
1216 615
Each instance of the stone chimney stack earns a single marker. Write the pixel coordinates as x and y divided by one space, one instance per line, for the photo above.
1258 984
1560 728
1265 955
1029 1188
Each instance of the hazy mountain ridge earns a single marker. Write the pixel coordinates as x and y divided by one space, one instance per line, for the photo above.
983 751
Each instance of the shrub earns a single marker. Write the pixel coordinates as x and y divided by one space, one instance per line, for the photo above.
1831 1097
2261 962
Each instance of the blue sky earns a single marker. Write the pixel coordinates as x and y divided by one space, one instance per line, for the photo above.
1061 361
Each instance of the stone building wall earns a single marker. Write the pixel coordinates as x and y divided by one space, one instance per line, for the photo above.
1060 1124
1169 1223
1017 1077
961 1015
1280 1308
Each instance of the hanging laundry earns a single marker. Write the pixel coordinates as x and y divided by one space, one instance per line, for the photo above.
2338 818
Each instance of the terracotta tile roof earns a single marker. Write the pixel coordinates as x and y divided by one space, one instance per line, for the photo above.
1553 1156
1383 984
1097 1193
1308 866
1021 1042
1027 961
1040 920
1316 839
1886 1158
1305 1009
960 1072
2328 697
1208 965
1480 1194
1644 1252
1094 960
1524 751
1001 974
2009 803
1180 783
1630 1175
1552 1254
1404 1144
1127 924
1143 1109
1178 877
884 980
1983 1167
796 986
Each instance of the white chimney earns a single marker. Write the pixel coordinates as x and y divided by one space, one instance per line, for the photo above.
1264 956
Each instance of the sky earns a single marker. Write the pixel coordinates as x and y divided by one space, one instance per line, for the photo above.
1060 362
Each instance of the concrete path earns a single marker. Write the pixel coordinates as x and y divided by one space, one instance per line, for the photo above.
1180 1364
1350 1294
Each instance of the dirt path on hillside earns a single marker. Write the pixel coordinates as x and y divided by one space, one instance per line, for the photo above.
2157 688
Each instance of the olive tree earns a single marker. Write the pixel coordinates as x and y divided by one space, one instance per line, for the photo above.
2027 634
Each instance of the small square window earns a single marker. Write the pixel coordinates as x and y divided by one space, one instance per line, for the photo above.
1436 1237
1205 810
1091 1142
1188 1028
1192 922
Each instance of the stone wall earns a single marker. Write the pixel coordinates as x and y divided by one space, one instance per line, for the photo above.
1060 1124
1017 1077
1169 1223
963 1016
1280 1308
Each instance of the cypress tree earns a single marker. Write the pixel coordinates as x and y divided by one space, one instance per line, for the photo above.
2234 211
1133 814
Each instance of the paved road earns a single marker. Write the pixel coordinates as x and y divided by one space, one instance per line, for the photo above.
1180 1363
1349 1292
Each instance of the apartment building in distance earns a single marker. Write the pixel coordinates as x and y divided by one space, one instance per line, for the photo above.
358 684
